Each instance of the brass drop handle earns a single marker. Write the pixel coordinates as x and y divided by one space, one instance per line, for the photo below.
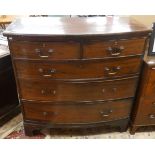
39 52
115 50
50 72
113 70
43 91
151 116
53 92
106 113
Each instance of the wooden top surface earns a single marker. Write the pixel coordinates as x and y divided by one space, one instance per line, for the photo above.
60 26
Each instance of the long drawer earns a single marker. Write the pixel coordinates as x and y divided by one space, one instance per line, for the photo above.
45 50
114 48
79 69
78 113
50 90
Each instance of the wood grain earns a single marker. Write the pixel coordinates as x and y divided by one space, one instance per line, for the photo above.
79 113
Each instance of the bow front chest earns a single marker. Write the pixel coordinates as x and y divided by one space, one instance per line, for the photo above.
76 72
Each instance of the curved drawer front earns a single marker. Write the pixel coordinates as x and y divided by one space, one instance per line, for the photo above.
77 91
45 50
98 49
78 113
79 69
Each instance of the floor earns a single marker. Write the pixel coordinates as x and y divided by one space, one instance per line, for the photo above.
17 123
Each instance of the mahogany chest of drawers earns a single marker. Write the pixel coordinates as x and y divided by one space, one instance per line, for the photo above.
76 72
144 110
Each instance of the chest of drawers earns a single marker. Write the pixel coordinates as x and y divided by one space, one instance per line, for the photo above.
76 72
144 110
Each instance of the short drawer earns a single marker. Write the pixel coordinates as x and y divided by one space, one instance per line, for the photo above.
49 90
45 50
115 48
146 112
119 67
78 113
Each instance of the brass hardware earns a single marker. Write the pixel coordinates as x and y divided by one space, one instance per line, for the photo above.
50 50
43 91
47 75
39 51
106 113
115 50
54 92
103 90
113 70
40 70
53 70
151 116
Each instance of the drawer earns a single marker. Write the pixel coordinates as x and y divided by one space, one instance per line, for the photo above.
115 48
79 69
78 113
45 50
50 90
150 89
146 112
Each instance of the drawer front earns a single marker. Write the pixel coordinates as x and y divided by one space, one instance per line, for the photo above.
45 50
77 91
146 112
78 113
79 69
115 48
150 90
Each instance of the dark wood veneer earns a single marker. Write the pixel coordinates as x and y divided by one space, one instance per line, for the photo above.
83 90
80 69
114 48
79 113
45 50
63 61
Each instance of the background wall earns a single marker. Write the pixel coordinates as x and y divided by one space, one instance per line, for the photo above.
145 19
